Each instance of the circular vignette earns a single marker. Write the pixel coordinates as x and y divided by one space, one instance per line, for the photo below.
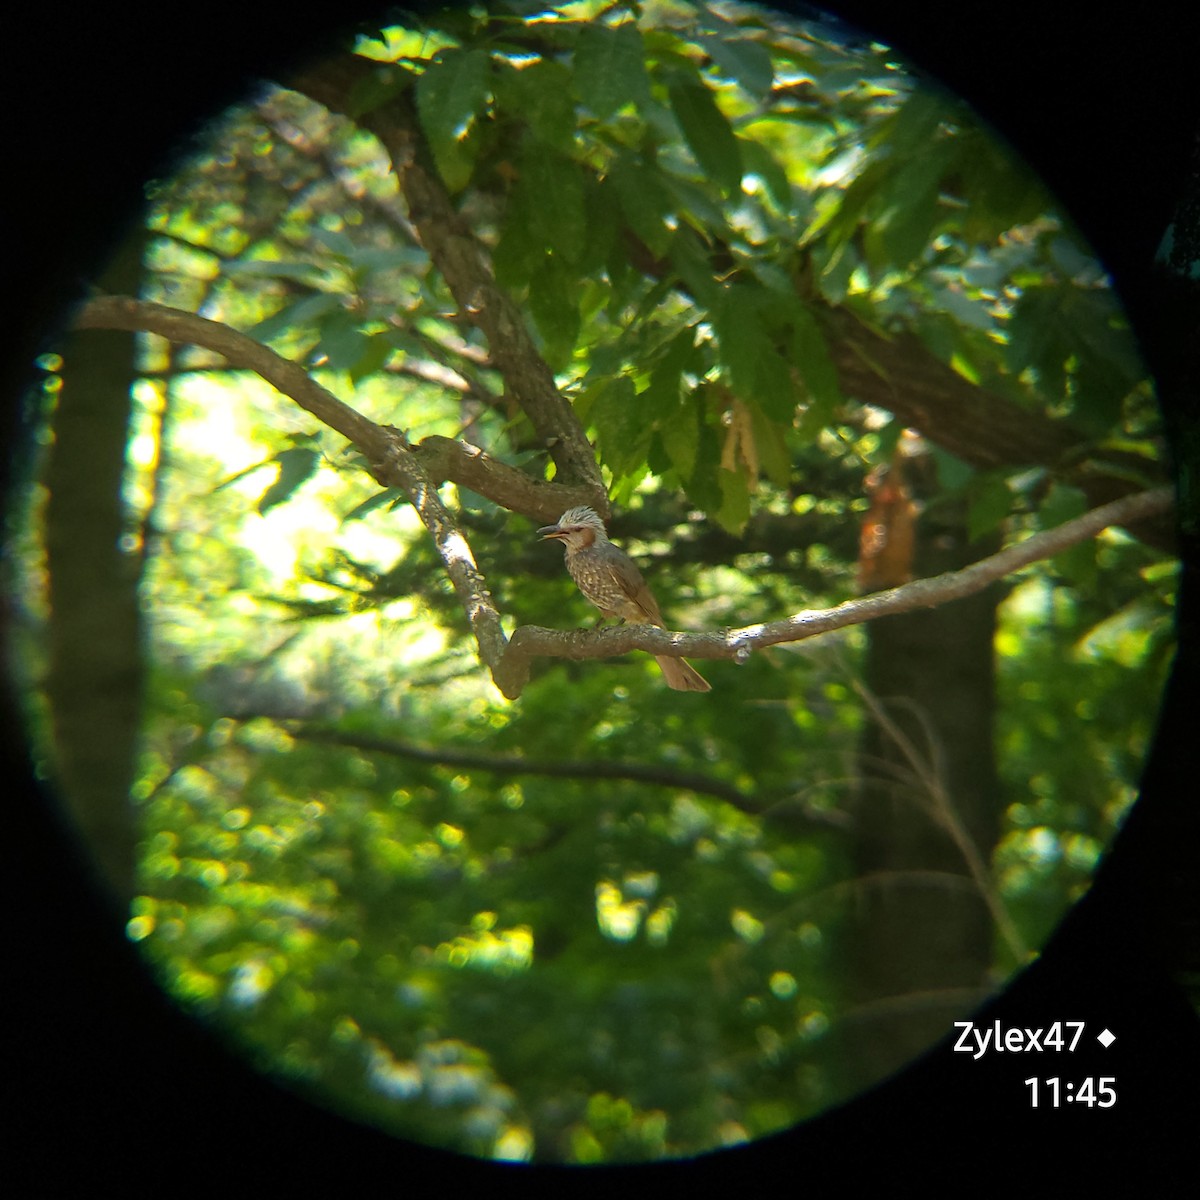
625 899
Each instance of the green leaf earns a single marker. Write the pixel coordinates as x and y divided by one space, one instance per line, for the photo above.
680 438
740 336
295 467
735 501
384 82
761 162
343 343
990 503
549 199
774 454
299 315
601 220
554 305
610 68
375 354
644 200
691 261
450 94
540 95
908 224
665 392
708 134
774 392
952 472
743 60
810 354
303 272
756 370
519 250
368 506
1062 503
622 425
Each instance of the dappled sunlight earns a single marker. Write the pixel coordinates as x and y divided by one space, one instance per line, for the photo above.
787 310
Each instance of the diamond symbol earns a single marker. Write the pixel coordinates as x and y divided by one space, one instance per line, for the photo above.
1106 1039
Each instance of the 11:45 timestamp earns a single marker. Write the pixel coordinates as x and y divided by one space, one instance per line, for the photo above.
1100 1092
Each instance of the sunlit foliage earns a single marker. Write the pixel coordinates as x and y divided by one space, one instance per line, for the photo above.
599 924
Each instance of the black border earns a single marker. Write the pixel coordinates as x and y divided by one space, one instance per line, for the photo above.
109 1087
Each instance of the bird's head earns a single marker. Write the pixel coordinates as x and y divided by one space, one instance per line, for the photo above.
577 528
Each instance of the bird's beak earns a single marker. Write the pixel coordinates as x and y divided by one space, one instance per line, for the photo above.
550 531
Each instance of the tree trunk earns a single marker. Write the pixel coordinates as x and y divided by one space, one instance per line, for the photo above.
921 940
94 682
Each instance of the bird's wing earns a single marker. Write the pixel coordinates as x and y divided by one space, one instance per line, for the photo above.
629 579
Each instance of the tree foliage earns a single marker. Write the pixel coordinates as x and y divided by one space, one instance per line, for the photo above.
700 267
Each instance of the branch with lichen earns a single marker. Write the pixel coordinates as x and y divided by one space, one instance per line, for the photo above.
417 470
532 641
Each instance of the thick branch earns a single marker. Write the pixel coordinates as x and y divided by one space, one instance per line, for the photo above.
465 265
532 641
441 459
140 316
900 374
468 466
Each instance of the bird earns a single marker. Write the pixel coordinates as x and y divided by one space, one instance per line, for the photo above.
608 577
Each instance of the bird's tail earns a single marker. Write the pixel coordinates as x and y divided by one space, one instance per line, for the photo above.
681 675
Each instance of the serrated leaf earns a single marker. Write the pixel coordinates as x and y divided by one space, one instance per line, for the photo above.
811 357
774 392
610 68
740 337
693 264
518 251
622 426
1035 339
342 342
644 200
451 93
555 309
756 370
549 199
708 133
540 94
602 219
680 439
666 377
377 351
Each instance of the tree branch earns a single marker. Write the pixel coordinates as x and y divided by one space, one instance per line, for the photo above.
393 462
532 641
465 265
441 459
653 774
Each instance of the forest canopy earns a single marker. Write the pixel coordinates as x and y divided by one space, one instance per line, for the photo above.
836 372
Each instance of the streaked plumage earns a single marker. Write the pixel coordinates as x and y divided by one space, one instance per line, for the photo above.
608 577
